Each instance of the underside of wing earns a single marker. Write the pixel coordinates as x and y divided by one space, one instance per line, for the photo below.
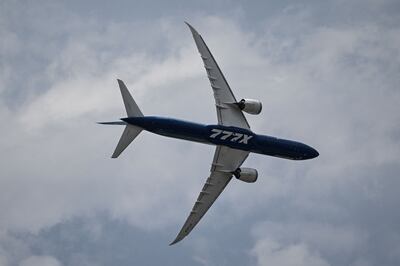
213 187
228 113
226 160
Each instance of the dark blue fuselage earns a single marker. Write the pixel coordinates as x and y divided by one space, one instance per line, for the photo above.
233 137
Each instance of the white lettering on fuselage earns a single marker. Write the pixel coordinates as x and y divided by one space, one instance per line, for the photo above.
245 139
224 135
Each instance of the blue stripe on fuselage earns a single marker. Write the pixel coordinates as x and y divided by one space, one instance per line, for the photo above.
234 137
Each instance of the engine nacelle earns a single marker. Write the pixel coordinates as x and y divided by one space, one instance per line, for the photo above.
250 106
248 175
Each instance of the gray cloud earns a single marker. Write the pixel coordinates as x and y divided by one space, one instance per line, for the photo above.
40 261
326 73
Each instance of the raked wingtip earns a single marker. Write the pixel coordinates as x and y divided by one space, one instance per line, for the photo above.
177 239
193 30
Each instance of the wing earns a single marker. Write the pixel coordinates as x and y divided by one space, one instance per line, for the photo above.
226 160
228 112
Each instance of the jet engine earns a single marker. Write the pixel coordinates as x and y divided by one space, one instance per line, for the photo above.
250 106
248 175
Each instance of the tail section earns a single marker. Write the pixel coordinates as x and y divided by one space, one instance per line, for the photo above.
131 131
130 105
121 123
129 134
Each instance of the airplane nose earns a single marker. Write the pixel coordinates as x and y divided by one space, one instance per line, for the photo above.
313 153
309 152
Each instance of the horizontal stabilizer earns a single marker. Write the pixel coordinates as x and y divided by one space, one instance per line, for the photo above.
122 123
129 134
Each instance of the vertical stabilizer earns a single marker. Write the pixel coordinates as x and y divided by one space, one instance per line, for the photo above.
130 105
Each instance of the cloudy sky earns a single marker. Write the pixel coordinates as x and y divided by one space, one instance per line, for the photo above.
327 74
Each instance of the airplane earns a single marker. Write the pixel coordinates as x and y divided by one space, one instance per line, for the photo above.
232 136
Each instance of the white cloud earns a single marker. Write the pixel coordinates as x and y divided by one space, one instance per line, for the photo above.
330 240
333 87
269 252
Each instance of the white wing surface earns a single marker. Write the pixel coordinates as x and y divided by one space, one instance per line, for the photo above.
228 112
226 160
